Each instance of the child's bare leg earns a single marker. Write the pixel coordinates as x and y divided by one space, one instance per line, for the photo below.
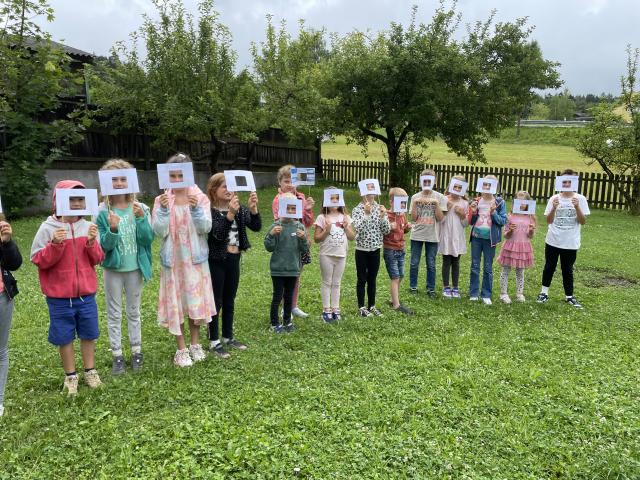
194 331
395 287
180 339
88 350
68 357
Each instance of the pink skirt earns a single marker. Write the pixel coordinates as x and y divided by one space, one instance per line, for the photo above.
516 254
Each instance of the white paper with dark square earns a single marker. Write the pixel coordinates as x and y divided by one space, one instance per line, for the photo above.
524 207
370 186
567 183
239 181
487 185
427 182
333 197
110 187
165 171
400 204
289 208
303 176
63 207
458 187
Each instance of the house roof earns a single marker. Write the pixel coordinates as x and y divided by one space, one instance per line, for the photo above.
71 51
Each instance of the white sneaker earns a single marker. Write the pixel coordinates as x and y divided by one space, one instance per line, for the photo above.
70 385
505 299
520 298
296 312
473 299
486 301
182 358
197 353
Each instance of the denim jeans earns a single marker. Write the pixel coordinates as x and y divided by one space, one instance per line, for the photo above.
394 261
430 251
481 247
6 313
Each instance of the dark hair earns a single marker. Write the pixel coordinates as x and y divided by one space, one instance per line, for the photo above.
568 171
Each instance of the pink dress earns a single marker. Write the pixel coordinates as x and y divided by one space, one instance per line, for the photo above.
186 288
517 251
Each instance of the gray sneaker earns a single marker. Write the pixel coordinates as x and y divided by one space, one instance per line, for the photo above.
403 309
137 360
118 367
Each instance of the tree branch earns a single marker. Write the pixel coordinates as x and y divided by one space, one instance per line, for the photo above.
373 134
627 196
403 135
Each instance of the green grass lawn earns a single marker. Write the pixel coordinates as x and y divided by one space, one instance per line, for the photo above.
458 391
532 152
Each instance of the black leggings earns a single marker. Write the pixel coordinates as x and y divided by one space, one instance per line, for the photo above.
567 259
367 266
449 262
225 277
282 288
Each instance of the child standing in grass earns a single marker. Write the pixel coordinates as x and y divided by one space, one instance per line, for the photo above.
227 240
394 250
10 260
286 186
427 211
566 212
333 232
66 250
287 242
125 237
516 251
453 243
182 219
487 215
371 224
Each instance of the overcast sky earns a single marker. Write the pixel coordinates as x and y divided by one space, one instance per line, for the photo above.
588 37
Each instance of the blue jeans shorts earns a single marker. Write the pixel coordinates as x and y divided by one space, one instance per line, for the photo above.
394 261
69 317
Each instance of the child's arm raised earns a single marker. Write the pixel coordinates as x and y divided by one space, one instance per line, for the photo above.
160 218
144 232
499 212
550 211
48 247
108 237
200 213
92 247
301 233
254 221
273 236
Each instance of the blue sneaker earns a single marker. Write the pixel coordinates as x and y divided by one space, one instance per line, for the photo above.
327 317
289 327
455 293
337 316
278 329
447 292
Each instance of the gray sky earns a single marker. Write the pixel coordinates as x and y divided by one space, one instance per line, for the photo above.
589 37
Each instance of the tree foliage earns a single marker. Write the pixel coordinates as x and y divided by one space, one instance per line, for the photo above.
34 76
615 144
184 88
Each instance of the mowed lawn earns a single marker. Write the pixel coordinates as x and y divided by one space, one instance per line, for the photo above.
459 390
543 156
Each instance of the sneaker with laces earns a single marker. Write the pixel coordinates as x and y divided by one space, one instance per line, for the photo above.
182 358
447 292
233 343
402 309
137 361
337 316
573 301
118 366
277 329
455 293
364 312
473 299
290 327
505 299
327 317
413 291
487 301
542 298
374 311
197 353
70 385
431 294
296 312
218 350
92 378
520 298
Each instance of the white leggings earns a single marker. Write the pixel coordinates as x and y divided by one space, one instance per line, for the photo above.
331 269
504 280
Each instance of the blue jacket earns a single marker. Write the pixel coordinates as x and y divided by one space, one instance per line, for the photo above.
498 220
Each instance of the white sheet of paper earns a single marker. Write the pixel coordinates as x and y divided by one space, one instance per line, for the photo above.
333 197
567 183
427 182
370 186
400 204
290 208
90 198
107 185
303 176
239 181
524 207
1 205
458 187
187 175
487 185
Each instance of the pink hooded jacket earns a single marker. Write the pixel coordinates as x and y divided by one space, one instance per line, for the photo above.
67 269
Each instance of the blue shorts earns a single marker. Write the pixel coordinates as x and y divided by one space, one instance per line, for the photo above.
71 316
394 260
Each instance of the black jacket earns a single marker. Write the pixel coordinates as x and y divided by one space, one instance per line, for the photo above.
220 227
10 260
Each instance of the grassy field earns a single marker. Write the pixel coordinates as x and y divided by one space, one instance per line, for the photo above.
537 148
458 391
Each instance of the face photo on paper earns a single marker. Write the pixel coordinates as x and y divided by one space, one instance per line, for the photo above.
427 182
303 176
487 185
524 207
370 186
119 181
290 208
239 181
175 175
458 187
333 197
71 202
567 183
400 204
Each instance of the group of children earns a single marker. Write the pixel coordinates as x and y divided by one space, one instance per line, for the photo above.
203 236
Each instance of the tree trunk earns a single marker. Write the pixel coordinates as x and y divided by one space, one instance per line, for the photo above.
215 155
518 126
394 177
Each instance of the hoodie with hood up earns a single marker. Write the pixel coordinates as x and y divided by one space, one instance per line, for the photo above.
66 269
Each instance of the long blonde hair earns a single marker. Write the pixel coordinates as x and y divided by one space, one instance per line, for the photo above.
118 164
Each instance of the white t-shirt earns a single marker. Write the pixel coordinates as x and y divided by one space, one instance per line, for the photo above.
564 232
336 243
426 227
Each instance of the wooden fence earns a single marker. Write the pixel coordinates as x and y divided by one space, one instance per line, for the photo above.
539 183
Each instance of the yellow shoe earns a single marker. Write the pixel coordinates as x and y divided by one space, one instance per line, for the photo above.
70 385
92 379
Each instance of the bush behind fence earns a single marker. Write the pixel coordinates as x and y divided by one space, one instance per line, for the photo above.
539 183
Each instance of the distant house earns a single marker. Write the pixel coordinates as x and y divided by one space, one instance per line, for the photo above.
582 117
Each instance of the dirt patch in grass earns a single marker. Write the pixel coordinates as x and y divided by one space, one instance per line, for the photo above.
597 277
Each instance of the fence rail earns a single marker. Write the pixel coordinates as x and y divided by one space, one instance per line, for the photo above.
539 183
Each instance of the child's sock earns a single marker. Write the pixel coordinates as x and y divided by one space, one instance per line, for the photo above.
117 353
214 343
545 290
568 296
70 374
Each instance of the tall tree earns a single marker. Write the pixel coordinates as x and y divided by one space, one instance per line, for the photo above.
613 142
185 87
34 76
